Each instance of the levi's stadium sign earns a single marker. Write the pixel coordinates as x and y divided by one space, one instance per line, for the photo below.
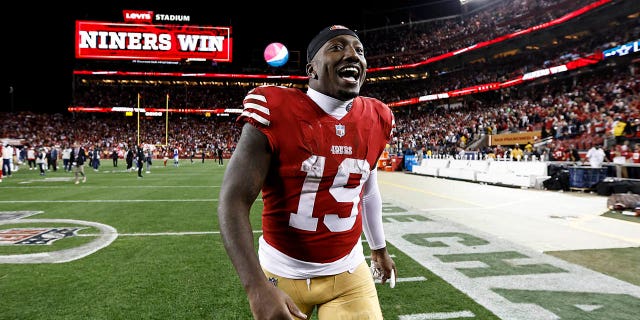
106 40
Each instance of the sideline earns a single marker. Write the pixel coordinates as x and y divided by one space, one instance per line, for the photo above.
492 252
538 219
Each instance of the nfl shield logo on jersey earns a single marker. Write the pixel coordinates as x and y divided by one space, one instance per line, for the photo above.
340 130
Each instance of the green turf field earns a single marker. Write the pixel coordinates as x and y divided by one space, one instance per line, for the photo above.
167 261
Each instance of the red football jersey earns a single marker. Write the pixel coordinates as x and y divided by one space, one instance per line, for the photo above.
311 196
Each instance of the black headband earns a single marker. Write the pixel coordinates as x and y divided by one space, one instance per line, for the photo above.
325 35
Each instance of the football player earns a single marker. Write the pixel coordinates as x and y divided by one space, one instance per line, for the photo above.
313 156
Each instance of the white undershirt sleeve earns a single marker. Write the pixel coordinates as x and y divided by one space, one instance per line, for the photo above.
372 213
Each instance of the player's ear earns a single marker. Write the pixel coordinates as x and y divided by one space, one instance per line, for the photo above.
310 71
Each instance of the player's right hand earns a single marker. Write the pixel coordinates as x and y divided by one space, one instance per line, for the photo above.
271 303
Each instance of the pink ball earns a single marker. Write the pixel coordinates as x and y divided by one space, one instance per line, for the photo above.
276 54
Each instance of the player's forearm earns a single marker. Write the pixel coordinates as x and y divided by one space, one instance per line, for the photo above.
241 185
238 241
372 213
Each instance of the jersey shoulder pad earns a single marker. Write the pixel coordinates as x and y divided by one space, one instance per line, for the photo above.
261 102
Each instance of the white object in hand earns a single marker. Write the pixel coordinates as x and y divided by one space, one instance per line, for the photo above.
378 273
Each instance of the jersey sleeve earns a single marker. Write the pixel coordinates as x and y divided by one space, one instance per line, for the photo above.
255 108
256 111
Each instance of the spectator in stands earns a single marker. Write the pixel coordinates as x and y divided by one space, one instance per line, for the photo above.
623 156
556 152
574 155
528 150
499 152
507 153
632 129
634 170
619 125
517 154
610 153
461 153
609 140
420 154
596 156
409 151
301 245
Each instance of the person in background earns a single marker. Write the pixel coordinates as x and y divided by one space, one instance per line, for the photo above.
77 157
7 159
31 158
148 156
1 147
219 153
22 155
140 157
66 156
166 153
53 158
574 155
41 161
517 154
634 168
114 157
95 157
596 156
129 155
314 157
528 151
176 157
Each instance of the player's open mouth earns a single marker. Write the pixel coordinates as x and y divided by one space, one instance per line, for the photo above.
349 73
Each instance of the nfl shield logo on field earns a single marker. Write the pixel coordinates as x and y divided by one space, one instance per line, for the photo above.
340 130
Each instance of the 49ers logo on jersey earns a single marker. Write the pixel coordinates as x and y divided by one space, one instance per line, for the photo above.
341 150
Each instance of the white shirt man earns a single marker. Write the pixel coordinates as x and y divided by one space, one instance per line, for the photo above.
596 156
7 159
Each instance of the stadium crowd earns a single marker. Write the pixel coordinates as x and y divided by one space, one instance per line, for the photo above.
580 111
416 41
598 106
